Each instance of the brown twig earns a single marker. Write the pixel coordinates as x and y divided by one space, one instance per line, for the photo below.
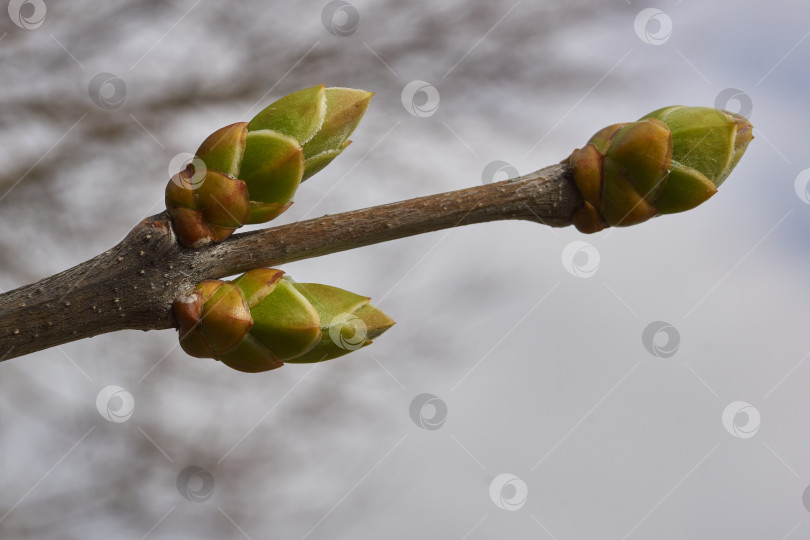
133 285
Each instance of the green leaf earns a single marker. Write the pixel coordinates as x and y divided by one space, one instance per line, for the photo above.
703 139
286 322
685 189
272 166
345 108
298 115
264 212
250 356
348 322
319 161
256 284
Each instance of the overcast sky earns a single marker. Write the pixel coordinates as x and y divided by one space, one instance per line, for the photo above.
551 412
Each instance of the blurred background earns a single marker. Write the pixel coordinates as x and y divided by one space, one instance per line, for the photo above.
649 382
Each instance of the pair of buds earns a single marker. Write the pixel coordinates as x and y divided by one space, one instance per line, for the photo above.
247 173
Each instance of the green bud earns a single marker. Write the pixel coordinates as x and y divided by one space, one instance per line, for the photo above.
272 168
254 168
685 189
347 321
260 320
222 150
344 109
669 161
286 322
297 115
708 140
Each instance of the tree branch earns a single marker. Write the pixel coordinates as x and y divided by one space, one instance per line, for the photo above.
133 285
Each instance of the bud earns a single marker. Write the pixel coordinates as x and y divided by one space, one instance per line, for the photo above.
253 169
261 320
347 321
344 109
708 140
669 161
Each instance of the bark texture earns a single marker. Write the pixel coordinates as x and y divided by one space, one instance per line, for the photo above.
133 285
